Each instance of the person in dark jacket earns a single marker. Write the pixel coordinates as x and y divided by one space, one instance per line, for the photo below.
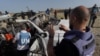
55 13
47 11
93 16
65 13
69 11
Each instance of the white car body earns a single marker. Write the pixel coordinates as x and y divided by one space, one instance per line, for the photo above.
58 36
58 33
5 17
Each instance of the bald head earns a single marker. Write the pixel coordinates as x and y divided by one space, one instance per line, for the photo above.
81 14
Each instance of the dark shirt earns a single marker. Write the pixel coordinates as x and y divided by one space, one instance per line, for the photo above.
94 10
66 48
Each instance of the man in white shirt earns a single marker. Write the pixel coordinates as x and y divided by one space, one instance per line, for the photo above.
23 40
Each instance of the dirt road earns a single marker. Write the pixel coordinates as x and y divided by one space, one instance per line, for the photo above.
96 31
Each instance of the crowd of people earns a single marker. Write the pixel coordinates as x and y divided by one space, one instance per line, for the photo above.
14 45
78 41
93 14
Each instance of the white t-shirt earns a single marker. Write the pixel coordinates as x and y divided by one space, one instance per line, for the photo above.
21 47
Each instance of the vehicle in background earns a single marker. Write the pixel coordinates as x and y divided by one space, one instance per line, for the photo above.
42 20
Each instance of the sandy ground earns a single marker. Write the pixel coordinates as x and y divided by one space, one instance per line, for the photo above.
96 31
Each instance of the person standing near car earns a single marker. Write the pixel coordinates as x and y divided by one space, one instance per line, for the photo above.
78 41
93 16
23 41
47 11
65 13
69 11
55 14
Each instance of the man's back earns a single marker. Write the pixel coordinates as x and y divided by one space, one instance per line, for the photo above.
66 48
76 43
23 39
94 10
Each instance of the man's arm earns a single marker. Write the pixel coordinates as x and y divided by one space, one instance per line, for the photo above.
16 38
50 41
29 34
50 47
64 28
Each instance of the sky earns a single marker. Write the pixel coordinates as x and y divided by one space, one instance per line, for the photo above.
41 5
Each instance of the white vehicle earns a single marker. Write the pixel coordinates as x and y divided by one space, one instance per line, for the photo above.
39 39
5 17
44 19
39 45
58 33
